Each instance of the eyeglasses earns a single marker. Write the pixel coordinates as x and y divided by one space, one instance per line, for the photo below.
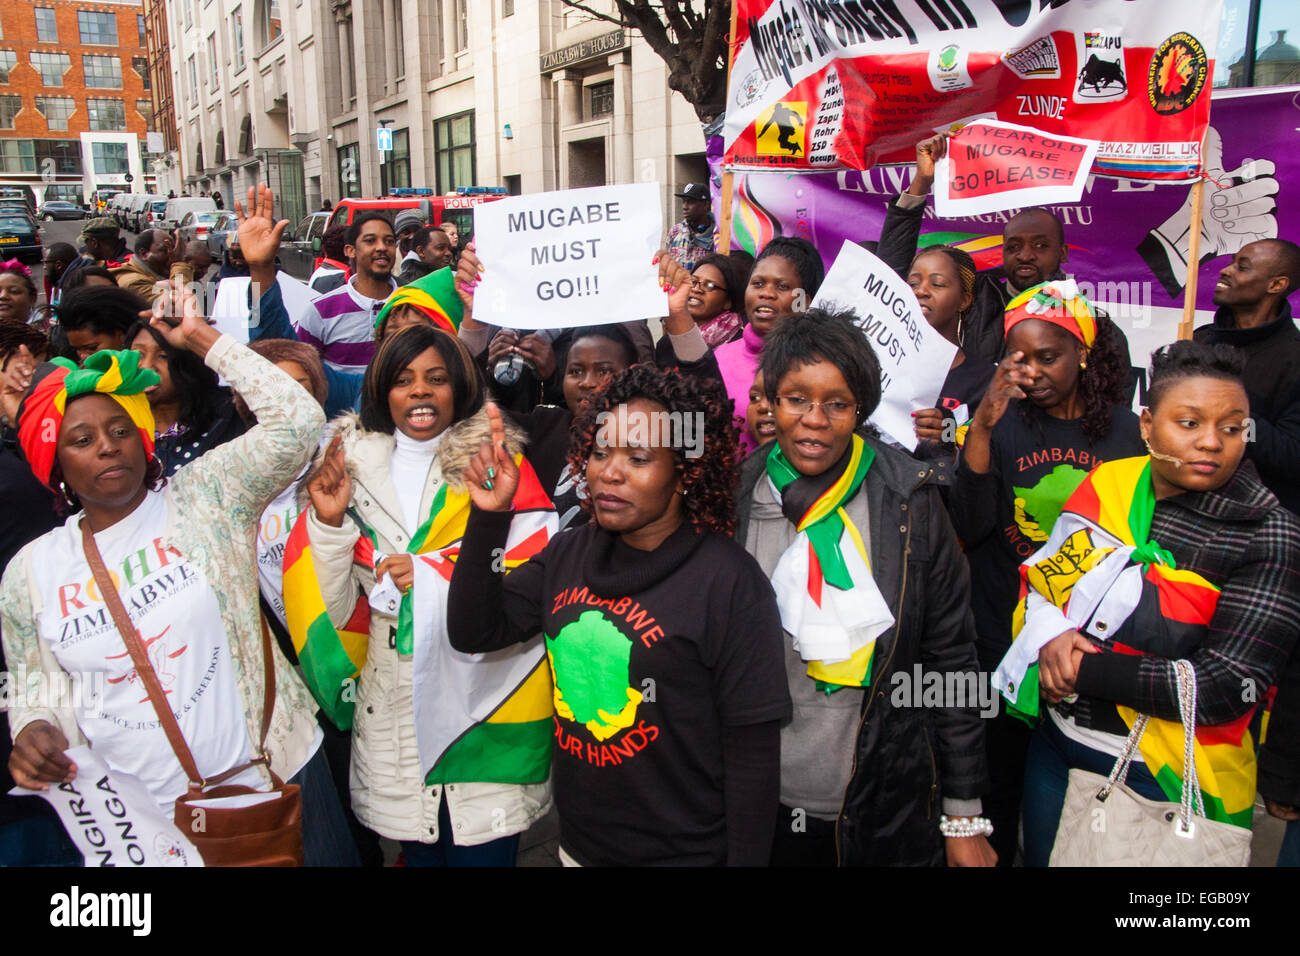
798 406
708 285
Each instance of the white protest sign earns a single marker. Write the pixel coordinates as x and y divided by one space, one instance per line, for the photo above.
112 818
990 166
914 358
570 258
231 313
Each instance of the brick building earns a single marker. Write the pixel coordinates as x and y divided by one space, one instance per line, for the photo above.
74 96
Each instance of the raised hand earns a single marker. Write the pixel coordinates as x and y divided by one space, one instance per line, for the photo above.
331 488
469 271
674 279
1008 384
928 424
259 233
492 475
177 316
928 152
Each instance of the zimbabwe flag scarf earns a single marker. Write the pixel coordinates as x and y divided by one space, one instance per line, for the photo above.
1101 573
828 599
478 718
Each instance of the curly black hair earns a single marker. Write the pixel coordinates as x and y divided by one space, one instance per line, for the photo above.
710 478
196 385
1103 383
1183 360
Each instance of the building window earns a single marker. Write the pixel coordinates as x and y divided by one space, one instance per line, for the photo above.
109 158
237 35
1265 58
56 110
145 109
9 107
212 60
17 155
189 16
453 139
104 72
507 8
7 60
194 81
65 154
97 29
461 13
139 29
51 66
106 114
141 67
399 160
269 27
350 171
47 31
399 66
601 98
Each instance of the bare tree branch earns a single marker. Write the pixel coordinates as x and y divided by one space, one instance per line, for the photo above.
594 13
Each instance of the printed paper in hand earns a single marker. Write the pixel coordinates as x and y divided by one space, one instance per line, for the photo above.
570 258
231 313
112 819
914 358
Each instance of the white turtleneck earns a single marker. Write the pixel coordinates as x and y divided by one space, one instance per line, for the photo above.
409 469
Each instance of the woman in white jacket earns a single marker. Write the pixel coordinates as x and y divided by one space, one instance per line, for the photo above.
381 476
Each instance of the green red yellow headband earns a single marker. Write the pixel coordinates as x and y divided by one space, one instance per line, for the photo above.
1059 303
435 295
115 374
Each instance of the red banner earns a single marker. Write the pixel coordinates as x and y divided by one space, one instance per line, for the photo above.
827 84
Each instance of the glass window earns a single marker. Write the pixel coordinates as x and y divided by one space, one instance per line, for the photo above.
271 21
109 158
51 66
17 155
237 35
461 13
64 153
453 139
56 110
9 107
106 114
212 60
1277 59
145 109
139 28
601 97
399 67
350 170
399 160
507 8
47 31
141 67
99 29
7 60
194 80
104 72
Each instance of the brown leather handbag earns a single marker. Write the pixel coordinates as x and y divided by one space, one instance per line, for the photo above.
268 833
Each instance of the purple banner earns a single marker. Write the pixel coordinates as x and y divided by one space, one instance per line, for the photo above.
1127 240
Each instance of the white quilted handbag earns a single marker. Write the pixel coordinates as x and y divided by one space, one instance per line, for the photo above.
1104 823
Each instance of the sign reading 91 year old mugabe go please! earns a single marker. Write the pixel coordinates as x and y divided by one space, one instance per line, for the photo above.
835 84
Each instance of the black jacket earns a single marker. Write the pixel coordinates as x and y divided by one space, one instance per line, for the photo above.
907 757
1272 380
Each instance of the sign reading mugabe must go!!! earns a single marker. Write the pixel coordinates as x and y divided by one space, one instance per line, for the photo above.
570 258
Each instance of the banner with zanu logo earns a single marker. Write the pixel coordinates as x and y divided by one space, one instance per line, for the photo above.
850 84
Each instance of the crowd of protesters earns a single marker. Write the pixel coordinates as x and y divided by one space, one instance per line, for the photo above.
693 646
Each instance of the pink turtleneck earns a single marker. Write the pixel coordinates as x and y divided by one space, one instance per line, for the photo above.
738 363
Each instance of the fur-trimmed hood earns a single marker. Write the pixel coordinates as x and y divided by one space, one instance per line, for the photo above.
364 452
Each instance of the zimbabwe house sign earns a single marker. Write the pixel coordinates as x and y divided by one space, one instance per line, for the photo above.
586 50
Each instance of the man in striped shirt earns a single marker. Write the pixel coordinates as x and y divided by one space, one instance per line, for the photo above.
340 324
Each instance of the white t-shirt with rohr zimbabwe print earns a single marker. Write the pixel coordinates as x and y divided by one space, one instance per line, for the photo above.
176 612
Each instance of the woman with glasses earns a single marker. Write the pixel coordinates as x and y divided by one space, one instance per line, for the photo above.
714 301
873 596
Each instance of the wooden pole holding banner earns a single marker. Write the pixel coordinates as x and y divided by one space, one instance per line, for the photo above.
724 220
1193 261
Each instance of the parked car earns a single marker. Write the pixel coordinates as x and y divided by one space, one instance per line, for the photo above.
197 225
300 247
219 233
135 215
153 214
20 237
60 209
178 207
116 209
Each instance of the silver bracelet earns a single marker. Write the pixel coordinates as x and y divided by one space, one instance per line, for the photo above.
965 826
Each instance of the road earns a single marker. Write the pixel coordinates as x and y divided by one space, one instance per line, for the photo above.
66 230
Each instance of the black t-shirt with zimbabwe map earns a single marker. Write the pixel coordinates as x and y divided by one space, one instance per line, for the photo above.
1005 516
653 654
